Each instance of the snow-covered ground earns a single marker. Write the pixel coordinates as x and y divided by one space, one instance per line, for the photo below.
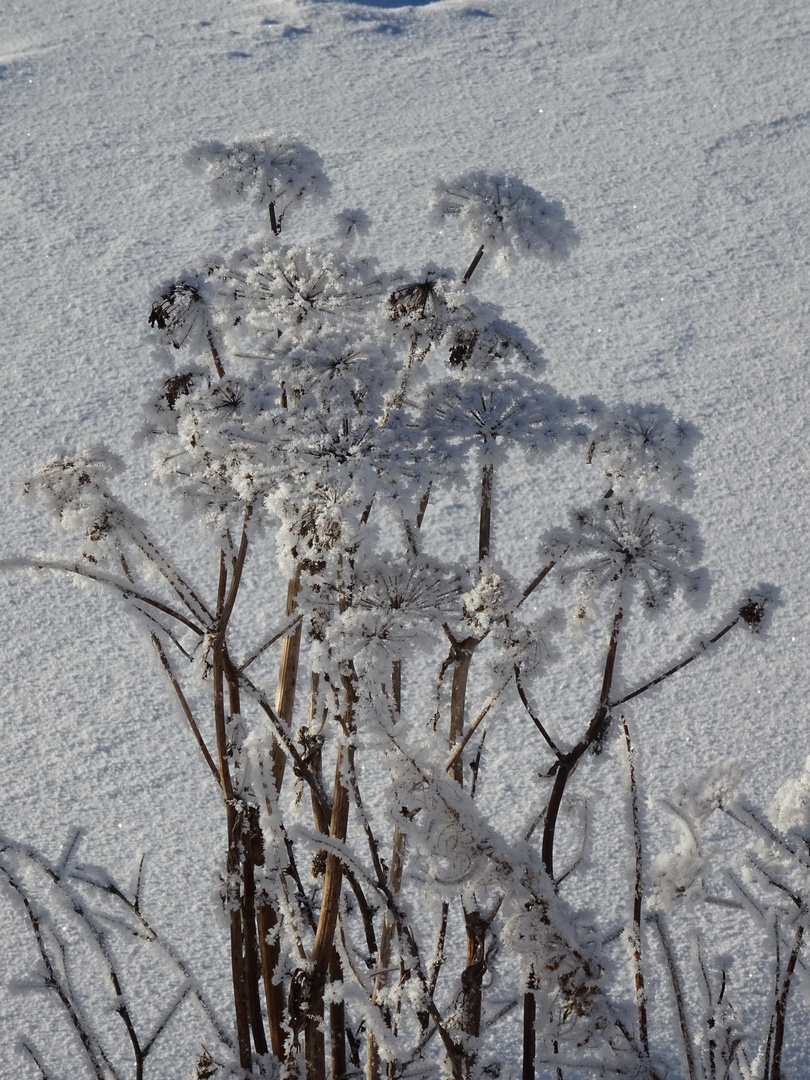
677 133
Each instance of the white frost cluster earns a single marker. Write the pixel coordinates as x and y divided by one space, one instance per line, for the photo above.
494 595
624 545
679 874
74 489
638 447
712 789
397 606
790 811
265 169
507 218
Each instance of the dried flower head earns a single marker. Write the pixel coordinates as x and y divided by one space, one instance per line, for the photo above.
506 217
642 446
270 170
621 543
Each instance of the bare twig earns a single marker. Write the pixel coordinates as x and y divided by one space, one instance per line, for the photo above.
184 705
123 587
677 987
288 628
471 268
537 723
458 749
485 517
678 667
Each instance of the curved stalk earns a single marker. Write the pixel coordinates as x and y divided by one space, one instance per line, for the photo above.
567 763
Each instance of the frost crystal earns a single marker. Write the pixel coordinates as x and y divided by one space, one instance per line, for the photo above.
637 447
625 542
268 169
506 217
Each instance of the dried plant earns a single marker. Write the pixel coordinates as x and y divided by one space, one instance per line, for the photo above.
308 398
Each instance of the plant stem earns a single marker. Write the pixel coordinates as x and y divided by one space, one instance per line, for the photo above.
677 988
266 917
471 268
567 763
215 355
781 1005
458 749
123 587
472 977
181 697
226 598
529 1034
458 700
678 667
333 878
287 674
485 519
394 884
638 897
423 505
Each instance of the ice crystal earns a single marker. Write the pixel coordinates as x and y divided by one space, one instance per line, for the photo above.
506 217
622 544
268 169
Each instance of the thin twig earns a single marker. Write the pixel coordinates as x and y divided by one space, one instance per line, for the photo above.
458 749
26 1046
678 667
781 1004
638 897
282 734
175 580
537 723
680 1004
123 587
291 625
527 592
471 268
181 697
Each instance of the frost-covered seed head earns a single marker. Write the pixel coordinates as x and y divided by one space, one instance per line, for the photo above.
73 487
268 169
509 219
623 542
639 447
712 789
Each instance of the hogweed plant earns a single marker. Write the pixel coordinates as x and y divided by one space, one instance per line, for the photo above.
313 405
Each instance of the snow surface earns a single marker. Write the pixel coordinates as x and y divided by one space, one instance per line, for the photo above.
677 136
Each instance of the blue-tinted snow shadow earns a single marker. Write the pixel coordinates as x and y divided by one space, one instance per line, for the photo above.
391 4
381 3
